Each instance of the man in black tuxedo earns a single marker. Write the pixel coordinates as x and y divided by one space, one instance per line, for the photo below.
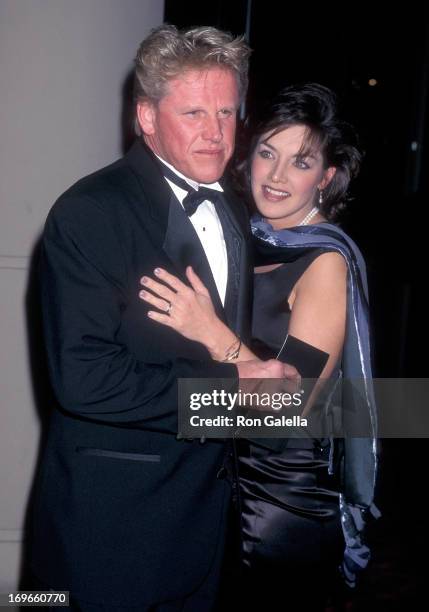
126 515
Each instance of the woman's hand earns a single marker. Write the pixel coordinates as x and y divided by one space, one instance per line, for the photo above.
188 310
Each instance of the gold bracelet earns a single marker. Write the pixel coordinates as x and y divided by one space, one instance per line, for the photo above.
233 351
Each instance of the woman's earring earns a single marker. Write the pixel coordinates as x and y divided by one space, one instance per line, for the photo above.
321 196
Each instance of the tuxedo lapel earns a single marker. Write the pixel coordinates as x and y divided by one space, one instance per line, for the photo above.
151 192
184 248
168 227
233 242
236 232
167 223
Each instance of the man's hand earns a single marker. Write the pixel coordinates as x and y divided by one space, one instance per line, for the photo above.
268 377
268 369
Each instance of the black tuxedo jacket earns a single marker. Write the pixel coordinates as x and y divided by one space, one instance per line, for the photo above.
125 513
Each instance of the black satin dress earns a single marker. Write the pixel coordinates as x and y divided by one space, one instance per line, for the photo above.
292 540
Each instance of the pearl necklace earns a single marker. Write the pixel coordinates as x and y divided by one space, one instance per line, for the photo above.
310 215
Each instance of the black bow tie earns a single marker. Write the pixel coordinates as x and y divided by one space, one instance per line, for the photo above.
194 197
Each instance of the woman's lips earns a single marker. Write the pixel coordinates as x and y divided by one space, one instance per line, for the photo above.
274 195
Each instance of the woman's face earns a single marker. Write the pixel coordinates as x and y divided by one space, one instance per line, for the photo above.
285 185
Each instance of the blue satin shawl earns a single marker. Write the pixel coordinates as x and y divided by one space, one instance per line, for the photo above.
359 464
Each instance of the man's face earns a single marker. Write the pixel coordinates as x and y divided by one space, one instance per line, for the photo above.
193 126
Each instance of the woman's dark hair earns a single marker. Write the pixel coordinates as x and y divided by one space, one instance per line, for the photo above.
315 107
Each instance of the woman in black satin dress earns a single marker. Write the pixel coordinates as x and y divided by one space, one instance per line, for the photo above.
298 513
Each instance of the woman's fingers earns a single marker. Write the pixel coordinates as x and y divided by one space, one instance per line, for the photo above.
158 288
187 310
161 318
195 281
163 305
170 279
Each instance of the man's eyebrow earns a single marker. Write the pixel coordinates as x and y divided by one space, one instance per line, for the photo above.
189 109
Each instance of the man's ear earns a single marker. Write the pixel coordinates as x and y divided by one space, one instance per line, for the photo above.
146 115
327 177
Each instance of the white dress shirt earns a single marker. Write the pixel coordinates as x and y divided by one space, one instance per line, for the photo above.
208 228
